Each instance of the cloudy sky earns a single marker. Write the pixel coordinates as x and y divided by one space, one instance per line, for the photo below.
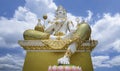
103 16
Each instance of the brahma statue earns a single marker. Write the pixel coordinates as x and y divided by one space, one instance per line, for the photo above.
60 31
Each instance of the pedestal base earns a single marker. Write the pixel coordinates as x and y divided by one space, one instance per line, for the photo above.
40 61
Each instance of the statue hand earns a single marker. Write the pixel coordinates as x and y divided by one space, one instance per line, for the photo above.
64 60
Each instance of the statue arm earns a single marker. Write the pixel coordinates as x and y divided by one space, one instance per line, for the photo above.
71 27
50 28
70 30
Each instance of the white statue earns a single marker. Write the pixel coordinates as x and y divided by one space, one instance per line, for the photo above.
59 29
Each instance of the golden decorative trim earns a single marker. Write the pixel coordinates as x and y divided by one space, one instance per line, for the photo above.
56 44
39 45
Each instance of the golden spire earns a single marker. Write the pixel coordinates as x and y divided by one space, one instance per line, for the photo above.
39 22
39 26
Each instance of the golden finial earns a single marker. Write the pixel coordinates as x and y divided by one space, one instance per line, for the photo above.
39 27
39 22
45 17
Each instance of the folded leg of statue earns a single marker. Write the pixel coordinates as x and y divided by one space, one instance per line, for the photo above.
35 35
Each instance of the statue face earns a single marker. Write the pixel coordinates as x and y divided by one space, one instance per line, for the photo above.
61 13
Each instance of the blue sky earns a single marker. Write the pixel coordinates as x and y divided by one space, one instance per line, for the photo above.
8 7
18 15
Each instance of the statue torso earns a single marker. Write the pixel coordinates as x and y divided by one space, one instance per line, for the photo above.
61 27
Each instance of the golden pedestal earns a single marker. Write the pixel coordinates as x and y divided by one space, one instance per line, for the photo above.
39 58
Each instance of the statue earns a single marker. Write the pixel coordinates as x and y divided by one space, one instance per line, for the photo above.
60 29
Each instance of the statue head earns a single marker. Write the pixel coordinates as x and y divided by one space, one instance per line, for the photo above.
61 13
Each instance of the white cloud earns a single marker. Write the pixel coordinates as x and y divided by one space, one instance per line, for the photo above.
11 63
105 61
12 30
23 14
116 45
89 17
114 61
41 7
99 61
106 31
